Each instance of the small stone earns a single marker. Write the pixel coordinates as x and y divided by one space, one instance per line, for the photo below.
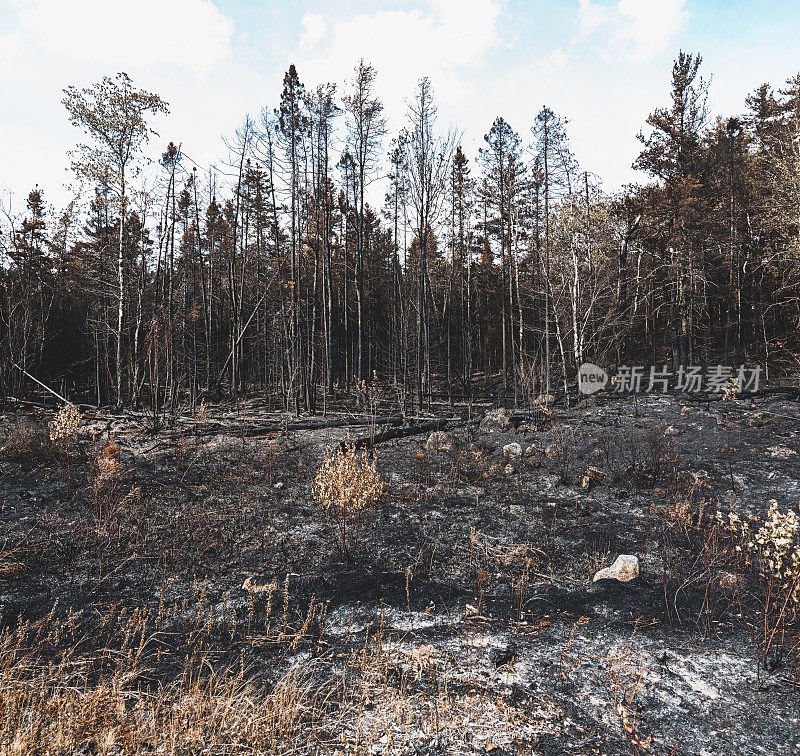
496 421
512 450
552 451
510 469
624 569
591 476
440 441
278 485
532 451
672 431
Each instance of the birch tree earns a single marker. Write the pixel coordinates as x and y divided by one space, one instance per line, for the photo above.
114 114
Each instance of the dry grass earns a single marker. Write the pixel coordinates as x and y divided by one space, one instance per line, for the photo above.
27 441
54 708
625 672
143 680
750 566
65 424
596 557
147 680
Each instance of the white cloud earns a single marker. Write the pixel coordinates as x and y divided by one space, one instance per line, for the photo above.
439 41
315 26
638 30
190 34
484 60
180 49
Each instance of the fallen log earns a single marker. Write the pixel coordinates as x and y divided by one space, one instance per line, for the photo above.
393 433
301 425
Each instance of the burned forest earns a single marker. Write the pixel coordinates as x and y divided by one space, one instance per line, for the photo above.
370 438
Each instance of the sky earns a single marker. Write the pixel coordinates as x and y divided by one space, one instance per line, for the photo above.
601 64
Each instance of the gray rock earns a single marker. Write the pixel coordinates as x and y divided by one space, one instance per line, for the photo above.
440 441
624 569
512 450
496 421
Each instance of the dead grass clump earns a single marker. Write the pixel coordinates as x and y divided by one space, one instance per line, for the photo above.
54 708
27 441
130 680
625 671
12 559
562 451
642 456
597 556
347 485
110 495
753 565
697 560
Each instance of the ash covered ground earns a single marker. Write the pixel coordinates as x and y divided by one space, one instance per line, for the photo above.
467 622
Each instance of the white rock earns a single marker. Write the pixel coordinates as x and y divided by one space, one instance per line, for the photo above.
440 441
512 450
624 569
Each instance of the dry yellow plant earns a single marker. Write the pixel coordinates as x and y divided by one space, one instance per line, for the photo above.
66 423
346 486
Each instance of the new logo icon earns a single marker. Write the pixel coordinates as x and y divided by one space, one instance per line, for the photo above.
591 378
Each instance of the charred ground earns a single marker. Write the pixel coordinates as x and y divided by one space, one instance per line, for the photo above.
199 588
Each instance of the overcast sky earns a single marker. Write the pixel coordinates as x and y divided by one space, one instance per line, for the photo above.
603 65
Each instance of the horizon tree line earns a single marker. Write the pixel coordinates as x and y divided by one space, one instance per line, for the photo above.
492 275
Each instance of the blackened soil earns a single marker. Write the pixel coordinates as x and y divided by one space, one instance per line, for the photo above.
485 558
